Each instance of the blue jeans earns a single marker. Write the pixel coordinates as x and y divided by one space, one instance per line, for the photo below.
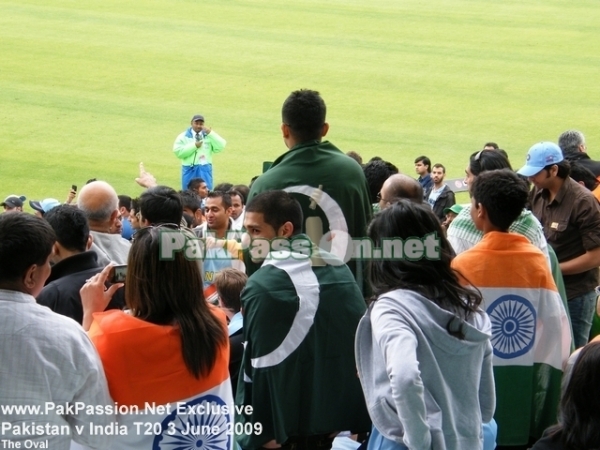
378 442
581 310
203 171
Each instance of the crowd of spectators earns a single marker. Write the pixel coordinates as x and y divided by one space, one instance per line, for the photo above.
256 296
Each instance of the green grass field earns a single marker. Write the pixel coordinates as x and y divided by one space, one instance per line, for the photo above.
89 89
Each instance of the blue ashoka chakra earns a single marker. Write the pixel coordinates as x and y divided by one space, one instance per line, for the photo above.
513 326
203 429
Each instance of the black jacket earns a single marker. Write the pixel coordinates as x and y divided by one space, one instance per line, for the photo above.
585 160
61 293
445 200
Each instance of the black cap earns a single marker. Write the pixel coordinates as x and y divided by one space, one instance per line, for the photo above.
12 201
198 117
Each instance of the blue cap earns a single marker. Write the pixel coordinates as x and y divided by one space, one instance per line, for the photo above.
539 156
45 205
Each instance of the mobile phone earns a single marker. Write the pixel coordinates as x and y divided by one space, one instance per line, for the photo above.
74 187
117 274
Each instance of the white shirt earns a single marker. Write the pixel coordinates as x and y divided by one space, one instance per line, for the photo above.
238 224
47 359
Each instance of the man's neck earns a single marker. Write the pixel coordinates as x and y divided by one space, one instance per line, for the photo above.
554 188
99 227
220 233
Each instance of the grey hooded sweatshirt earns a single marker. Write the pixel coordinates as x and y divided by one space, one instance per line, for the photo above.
424 387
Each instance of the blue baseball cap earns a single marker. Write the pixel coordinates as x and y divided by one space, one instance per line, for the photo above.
45 205
539 156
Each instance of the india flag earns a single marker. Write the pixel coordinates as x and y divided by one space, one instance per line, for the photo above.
161 405
531 334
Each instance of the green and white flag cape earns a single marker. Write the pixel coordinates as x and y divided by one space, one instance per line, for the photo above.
298 370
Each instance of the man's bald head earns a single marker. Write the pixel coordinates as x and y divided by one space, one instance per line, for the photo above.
98 200
400 186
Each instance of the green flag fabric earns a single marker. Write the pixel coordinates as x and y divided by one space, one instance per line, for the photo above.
298 370
332 190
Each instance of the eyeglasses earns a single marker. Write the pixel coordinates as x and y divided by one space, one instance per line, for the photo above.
380 198
478 155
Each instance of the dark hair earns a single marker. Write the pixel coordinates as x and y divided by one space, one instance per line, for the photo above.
190 200
581 173
579 411
223 187
125 202
229 283
503 153
135 204
164 292
277 208
161 204
439 166
503 194
233 192
188 219
224 196
491 144
195 183
243 190
432 278
376 172
25 240
355 156
426 162
487 160
70 226
564 169
304 113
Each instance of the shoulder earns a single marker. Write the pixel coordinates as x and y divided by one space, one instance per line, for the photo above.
58 336
185 134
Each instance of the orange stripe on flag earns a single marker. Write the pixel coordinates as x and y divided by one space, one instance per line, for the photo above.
144 363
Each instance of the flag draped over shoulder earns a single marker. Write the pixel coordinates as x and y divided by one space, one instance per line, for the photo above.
531 333
298 370
332 191
145 370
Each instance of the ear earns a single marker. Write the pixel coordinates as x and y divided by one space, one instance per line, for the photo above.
286 230
89 242
581 183
481 211
325 129
145 223
29 280
114 215
229 210
285 130
56 249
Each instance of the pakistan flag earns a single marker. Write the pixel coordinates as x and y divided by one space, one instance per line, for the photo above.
298 370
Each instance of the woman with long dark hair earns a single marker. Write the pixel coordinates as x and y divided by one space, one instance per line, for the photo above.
423 348
166 360
578 425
